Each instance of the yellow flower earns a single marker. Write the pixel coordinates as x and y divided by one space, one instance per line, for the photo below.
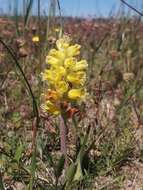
35 39
52 60
81 65
63 43
73 50
65 77
79 78
76 94
73 65
50 107
57 29
70 63
61 87
52 75
57 54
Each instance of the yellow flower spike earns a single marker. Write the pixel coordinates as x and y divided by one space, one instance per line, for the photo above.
35 39
76 94
65 77
46 75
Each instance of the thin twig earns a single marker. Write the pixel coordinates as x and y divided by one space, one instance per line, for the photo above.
131 7
61 20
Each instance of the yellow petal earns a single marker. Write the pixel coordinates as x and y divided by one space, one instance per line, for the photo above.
50 76
52 61
81 65
53 75
73 50
57 54
63 43
77 78
61 87
51 108
76 94
57 29
35 39
70 63
61 70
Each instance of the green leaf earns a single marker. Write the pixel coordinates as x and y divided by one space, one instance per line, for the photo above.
18 153
33 169
16 116
70 172
1 183
79 174
82 149
60 166
50 160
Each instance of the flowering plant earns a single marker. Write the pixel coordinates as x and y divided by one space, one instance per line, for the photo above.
65 77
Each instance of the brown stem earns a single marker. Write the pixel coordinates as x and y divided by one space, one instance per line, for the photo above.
131 7
63 138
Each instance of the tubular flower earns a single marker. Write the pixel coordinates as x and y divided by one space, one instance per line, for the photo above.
75 94
65 77
35 39
50 107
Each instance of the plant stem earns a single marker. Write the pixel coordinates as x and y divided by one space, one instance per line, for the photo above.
1 183
63 137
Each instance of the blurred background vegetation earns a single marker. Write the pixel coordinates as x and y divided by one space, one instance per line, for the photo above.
105 139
